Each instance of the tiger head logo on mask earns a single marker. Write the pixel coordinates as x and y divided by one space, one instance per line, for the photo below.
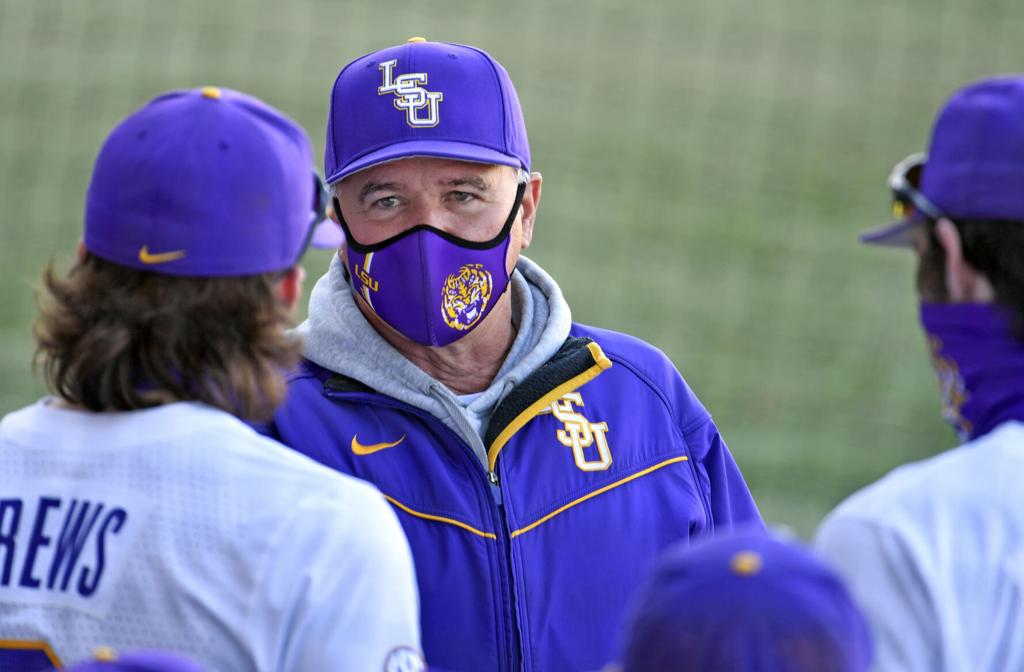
465 296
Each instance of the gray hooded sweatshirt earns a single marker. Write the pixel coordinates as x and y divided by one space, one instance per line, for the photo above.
338 337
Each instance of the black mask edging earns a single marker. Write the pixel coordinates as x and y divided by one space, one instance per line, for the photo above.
461 242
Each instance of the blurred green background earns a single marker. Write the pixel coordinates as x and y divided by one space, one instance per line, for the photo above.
707 165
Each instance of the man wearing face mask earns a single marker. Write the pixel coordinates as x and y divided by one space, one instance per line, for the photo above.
934 550
537 466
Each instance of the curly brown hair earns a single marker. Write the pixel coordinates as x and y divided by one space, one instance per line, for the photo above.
112 338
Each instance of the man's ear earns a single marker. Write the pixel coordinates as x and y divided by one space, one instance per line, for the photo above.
81 251
531 201
289 288
963 282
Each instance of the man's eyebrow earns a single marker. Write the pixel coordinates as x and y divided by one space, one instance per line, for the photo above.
474 181
374 187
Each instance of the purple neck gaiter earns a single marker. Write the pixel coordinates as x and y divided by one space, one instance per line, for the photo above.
978 363
431 286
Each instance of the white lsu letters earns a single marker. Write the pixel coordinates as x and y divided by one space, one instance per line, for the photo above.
410 95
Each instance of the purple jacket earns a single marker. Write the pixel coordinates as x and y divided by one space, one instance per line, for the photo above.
597 461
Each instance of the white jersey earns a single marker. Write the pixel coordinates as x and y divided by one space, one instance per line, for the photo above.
181 528
934 554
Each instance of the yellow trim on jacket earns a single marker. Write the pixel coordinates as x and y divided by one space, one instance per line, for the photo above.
597 492
601 363
441 519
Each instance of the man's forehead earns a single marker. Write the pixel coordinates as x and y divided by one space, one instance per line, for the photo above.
433 169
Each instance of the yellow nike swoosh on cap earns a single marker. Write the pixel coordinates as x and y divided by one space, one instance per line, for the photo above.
361 449
160 257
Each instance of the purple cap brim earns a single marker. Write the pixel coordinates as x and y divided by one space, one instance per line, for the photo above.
441 149
327 235
896 234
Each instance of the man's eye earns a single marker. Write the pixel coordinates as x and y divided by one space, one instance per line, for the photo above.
386 202
462 196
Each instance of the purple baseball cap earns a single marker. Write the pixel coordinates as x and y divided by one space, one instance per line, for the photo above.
108 660
743 602
974 168
423 99
206 182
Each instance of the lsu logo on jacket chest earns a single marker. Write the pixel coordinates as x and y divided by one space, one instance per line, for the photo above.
588 440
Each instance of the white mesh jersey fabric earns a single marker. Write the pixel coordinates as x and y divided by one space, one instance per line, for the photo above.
179 527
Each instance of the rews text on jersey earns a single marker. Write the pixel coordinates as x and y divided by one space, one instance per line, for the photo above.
43 543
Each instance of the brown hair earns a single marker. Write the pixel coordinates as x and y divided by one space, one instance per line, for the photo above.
112 338
993 248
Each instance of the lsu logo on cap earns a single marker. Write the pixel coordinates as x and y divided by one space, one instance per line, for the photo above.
465 296
419 104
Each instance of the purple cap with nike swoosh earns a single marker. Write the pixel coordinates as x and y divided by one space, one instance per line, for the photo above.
206 182
423 98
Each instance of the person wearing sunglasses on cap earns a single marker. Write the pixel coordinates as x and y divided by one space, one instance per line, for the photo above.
934 551
536 465
138 510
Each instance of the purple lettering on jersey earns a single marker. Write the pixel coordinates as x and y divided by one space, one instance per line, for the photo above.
7 532
16 658
73 537
37 541
113 523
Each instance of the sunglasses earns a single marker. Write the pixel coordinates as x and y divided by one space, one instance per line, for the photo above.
905 184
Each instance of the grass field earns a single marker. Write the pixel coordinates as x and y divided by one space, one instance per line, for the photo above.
707 166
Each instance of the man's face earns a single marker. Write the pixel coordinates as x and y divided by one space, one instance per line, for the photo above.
467 200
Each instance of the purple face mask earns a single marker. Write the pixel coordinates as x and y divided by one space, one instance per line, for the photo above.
978 363
431 286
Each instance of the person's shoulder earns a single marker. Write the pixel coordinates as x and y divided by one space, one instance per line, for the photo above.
19 418
340 500
174 423
323 503
282 463
649 366
904 486
954 480
933 519
1003 444
230 449
308 373
630 350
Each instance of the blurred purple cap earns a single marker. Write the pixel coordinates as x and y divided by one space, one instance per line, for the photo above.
205 182
423 99
106 660
744 602
975 163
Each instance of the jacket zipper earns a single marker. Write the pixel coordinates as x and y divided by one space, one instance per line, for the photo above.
494 506
516 655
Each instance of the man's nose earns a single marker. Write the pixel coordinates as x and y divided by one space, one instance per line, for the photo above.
427 211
